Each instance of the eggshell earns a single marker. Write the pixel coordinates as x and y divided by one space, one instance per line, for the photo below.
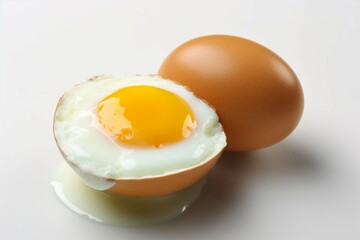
163 184
256 94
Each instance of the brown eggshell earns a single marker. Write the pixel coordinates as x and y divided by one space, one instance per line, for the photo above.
256 94
164 184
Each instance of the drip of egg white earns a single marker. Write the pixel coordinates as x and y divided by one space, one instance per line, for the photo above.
120 210
93 181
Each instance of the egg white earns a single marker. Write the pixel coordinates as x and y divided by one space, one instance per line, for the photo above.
89 147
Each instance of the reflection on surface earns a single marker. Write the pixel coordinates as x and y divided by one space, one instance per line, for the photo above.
120 210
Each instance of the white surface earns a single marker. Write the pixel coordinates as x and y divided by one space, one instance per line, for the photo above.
306 187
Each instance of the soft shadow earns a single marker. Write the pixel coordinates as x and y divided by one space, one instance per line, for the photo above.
222 190
227 184
288 159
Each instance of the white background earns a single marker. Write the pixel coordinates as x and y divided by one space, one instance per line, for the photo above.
306 187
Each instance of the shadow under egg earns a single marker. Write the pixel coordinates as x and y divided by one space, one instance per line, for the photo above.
229 184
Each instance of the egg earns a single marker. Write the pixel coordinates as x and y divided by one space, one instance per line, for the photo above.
256 94
138 136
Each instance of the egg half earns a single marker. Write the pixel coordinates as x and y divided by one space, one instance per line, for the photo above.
137 136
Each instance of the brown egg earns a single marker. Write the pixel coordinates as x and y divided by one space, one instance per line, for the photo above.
256 94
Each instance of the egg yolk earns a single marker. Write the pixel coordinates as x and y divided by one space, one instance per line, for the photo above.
145 116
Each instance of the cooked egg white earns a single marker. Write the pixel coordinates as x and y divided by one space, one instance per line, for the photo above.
96 155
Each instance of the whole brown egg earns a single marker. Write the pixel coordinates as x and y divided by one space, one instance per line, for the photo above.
256 94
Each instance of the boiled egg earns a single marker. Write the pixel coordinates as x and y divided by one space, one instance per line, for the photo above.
137 136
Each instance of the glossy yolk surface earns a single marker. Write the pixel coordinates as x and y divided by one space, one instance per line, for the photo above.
145 116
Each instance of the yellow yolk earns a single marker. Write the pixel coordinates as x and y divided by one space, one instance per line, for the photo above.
145 116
